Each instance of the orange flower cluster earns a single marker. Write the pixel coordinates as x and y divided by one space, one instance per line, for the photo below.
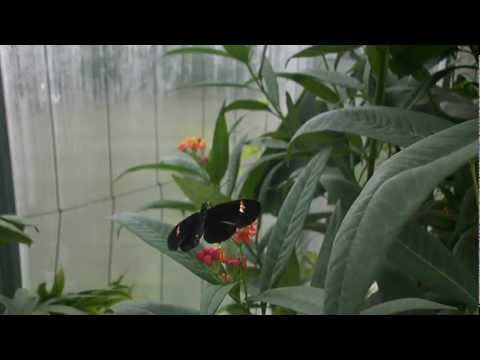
192 143
245 235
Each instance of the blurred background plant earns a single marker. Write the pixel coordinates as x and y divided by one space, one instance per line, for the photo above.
54 301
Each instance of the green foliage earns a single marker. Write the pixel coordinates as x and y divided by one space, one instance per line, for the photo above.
56 302
12 230
388 142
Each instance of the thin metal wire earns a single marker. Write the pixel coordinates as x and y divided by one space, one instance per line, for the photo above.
55 160
110 161
157 156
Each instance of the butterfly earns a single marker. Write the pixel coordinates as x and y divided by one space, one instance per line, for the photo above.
216 224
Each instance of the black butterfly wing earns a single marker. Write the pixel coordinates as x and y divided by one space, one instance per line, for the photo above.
223 220
187 234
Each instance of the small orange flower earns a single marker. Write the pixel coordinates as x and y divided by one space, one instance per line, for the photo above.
192 143
226 278
246 234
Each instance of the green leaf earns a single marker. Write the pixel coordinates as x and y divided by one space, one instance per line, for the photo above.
396 126
252 178
331 77
313 85
319 50
304 300
271 83
386 204
23 303
213 296
155 234
424 258
137 307
219 153
251 105
234 167
182 165
18 222
291 219
199 192
238 52
198 50
408 60
170 204
10 233
405 305
320 271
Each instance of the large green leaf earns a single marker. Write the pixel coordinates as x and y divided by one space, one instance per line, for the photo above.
386 204
155 234
319 50
405 305
331 77
213 296
289 226
170 204
238 52
182 165
199 192
321 266
304 300
424 258
313 85
218 158
11 233
138 307
396 126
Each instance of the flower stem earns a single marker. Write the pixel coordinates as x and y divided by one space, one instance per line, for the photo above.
244 281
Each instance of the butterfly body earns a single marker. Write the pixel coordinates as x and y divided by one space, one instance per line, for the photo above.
216 224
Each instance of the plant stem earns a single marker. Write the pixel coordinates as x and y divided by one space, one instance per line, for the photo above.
474 179
277 112
379 100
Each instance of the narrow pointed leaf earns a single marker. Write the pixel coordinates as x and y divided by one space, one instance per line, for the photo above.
155 234
293 213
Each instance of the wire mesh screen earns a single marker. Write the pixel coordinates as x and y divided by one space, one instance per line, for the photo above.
78 116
